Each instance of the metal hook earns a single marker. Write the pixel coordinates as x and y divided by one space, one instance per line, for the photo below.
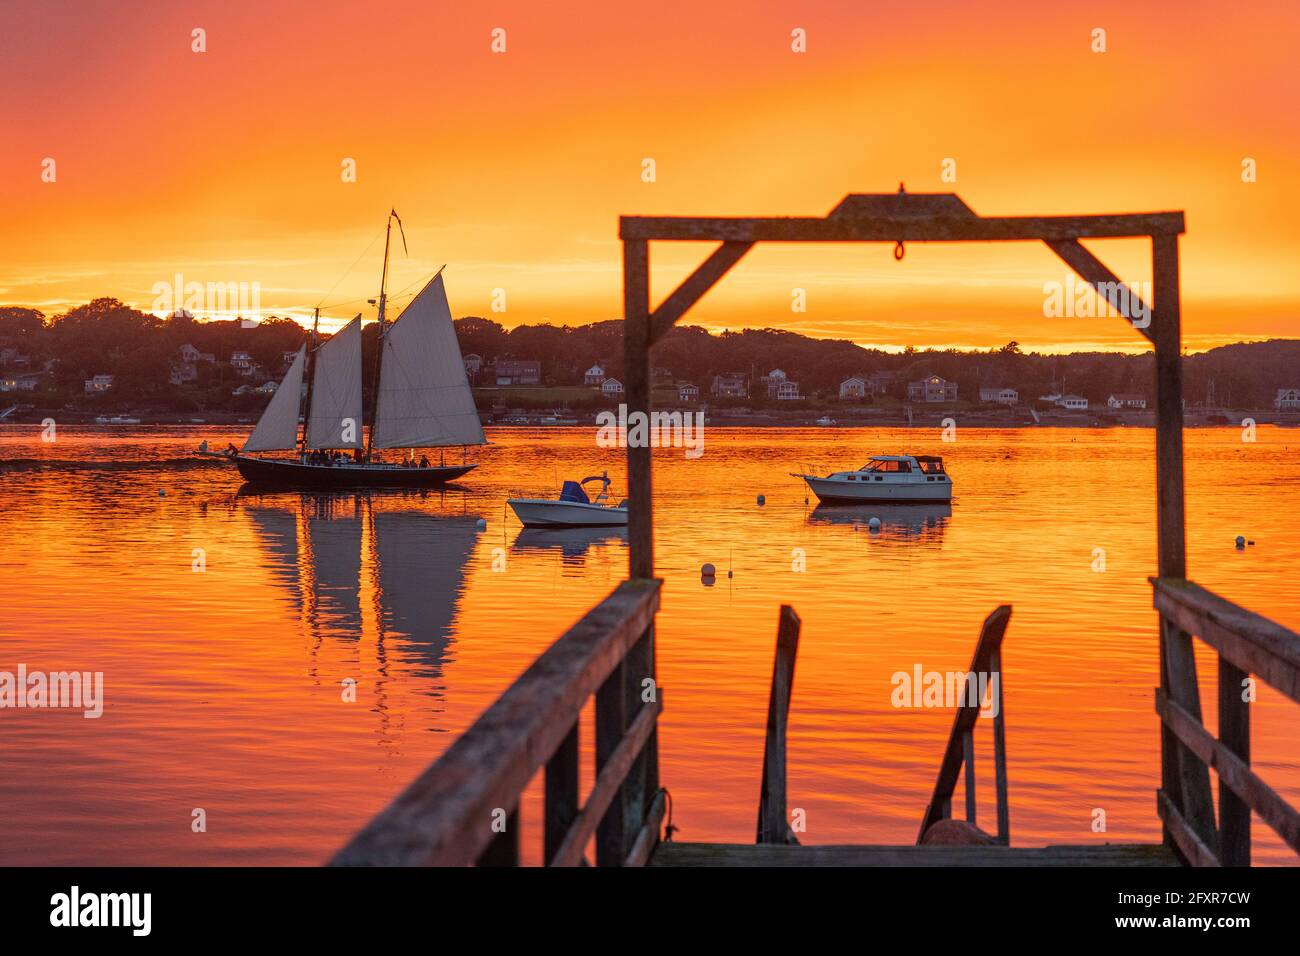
898 251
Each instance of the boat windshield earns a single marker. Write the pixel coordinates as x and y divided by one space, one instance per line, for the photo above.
880 465
931 466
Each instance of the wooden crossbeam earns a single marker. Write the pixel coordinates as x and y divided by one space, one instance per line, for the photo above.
904 228
1104 282
695 285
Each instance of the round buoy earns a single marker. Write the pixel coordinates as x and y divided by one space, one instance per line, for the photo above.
874 524
481 523
708 571
162 492
1241 542
762 499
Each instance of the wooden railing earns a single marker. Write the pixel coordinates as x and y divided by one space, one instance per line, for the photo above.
1247 644
961 740
464 809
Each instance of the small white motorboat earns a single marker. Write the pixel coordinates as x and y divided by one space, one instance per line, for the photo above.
826 421
573 509
886 478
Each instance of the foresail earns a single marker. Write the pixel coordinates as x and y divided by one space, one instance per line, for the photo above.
277 429
424 395
335 416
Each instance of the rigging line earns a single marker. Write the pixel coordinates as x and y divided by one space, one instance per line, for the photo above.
348 270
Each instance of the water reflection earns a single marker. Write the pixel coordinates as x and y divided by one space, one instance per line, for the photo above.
362 565
919 522
572 544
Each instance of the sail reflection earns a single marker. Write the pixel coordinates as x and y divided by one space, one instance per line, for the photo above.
919 522
369 566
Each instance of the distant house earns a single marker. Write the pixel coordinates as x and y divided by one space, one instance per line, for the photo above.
878 383
11 356
688 393
932 388
853 388
611 386
289 357
731 385
772 381
594 376
183 372
100 383
20 382
242 362
189 354
1287 398
1000 396
787 391
1075 403
472 362
515 372
659 374
1126 400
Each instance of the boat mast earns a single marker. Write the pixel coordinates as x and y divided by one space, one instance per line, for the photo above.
379 341
311 376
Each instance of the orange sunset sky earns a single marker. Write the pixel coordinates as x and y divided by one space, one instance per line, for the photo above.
512 168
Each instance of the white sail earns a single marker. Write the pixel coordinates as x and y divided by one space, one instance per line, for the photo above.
424 396
335 415
277 429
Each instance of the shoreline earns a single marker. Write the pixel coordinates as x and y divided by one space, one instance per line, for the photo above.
891 418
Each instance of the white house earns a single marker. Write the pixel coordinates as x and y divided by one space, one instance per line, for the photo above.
1075 403
20 382
688 393
853 388
100 383
1287 398
1000 396
611 386
189 354
472 362
787 391
241 362
932 388
594 376
183 372
1126 400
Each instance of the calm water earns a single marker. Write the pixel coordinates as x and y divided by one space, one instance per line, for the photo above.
225 689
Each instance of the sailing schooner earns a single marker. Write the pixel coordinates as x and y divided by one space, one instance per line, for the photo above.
421 399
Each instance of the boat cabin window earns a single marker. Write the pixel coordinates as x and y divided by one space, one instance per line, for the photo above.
887 466
931 466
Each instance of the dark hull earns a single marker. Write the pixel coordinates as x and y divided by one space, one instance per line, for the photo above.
282 473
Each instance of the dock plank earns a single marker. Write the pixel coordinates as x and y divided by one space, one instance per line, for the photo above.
768 854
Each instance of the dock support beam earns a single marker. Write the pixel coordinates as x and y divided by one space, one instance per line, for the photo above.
1185 780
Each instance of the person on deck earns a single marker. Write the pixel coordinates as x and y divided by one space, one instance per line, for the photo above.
424 461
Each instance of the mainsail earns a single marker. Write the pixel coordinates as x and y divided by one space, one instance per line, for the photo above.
424 398
277 429
335 420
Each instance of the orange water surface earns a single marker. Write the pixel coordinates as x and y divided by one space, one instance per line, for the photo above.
226 688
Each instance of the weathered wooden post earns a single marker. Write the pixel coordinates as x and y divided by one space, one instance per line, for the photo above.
773 824
626 690
1185 779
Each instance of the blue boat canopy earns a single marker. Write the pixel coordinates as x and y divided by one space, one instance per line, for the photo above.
572 491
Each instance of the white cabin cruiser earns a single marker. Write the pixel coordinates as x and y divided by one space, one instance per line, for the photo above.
892 478
573 509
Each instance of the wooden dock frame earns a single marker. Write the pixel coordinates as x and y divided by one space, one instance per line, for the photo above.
464 809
